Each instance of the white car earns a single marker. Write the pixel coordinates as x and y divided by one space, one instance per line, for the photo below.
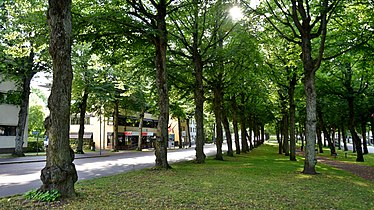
46 142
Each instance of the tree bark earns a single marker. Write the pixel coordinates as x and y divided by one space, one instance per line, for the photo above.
286 146
226 125
217 91
356 139
59 172
292 111
160 42
235 124
339 139
180 133
199 89
311 119
364 141
279 137
140 137
115 125
243 132
326 134
23 112
319 138
188 132
344 136
83 106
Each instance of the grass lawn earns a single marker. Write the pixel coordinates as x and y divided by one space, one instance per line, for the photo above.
261 179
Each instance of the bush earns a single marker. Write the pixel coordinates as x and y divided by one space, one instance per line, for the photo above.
47 196
33 146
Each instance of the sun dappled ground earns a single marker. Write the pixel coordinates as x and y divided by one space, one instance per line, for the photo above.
261 179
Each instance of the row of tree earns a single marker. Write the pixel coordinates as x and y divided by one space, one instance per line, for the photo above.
185 58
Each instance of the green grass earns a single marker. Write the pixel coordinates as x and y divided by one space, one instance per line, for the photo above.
261 179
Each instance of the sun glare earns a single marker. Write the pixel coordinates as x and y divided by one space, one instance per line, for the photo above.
236 13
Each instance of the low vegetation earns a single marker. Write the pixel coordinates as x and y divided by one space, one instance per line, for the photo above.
261 179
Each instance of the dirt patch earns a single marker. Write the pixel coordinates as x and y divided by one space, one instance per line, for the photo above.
366 172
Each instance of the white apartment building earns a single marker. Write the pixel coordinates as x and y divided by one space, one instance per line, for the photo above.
8 120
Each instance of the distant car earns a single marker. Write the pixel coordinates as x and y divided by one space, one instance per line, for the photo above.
46 140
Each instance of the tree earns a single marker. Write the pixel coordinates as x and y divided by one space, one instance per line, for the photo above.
83 82
59 173
306 25
36 119
25 35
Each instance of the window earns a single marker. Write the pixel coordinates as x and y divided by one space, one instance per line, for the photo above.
74 120
7 130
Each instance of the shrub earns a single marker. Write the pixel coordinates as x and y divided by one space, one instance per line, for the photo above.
33 146
48 196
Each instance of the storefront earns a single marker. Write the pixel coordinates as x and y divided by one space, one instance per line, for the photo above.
128 140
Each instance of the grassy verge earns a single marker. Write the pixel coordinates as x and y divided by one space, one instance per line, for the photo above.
261 179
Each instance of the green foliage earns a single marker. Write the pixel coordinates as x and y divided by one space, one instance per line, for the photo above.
33 146
36 119
48 196
11 97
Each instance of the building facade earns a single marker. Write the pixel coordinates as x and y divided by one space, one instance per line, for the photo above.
100 130
8 119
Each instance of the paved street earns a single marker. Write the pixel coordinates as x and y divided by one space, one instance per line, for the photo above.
18 178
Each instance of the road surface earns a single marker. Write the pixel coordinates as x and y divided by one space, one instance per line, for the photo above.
19 178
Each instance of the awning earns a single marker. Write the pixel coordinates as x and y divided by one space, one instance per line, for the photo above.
87 135
134 133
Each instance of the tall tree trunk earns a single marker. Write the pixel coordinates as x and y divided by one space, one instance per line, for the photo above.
243 131
249 137
311 118
59 172
279 137
292 110
115 126
319 138
262 134
326 134
302 138
364 142
286 146
162 87
199 88
372 128
344 136
188 132
235 125
355 137
140 137
82 106
226 126
23 112
180 133
339 139
218 114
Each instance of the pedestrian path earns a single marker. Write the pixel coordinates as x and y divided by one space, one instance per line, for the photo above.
41 157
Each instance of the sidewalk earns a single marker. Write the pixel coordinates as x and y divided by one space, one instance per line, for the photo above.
41 157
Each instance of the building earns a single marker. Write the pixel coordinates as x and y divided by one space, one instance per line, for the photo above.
100 129
174 138
8 119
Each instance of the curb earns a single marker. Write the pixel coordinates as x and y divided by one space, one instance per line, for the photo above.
43 160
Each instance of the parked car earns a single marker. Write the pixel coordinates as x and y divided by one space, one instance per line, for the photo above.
46 141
